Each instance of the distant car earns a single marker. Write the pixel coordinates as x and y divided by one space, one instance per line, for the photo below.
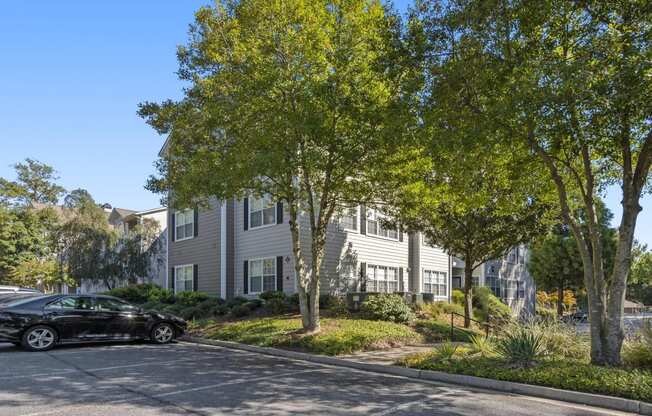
39 323
577 317
17 289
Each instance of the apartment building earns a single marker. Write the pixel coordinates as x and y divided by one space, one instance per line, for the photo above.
244 247
507 277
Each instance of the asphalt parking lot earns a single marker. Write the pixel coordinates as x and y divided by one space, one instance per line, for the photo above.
186 379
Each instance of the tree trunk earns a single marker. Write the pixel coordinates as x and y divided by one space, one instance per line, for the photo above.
560 299
614 334
468 293
299 266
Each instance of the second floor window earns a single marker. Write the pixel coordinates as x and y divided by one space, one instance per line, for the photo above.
184 224
349 218
262 211
375 226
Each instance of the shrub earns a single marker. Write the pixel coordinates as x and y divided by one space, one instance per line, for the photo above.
240 311
276 306
192 312
133 293
439 310
522 347
238 300
638 352
489 307
254 304
220 310
274 294
457 296
387 307
483 346
438 331
293 302
191 298
326 300
562 374
559 339
446 351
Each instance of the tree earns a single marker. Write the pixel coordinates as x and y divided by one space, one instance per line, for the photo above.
555 262
34 184
85 244
571 79
25 224
640 282
476 205
287 99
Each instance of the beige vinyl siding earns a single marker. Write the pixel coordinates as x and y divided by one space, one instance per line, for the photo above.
202 250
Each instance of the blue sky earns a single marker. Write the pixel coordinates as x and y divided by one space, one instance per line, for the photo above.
71 76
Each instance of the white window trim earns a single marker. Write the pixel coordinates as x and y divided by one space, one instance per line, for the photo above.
192 281
446 279
382 237
262 285
176 224
258 227
387 267
357 227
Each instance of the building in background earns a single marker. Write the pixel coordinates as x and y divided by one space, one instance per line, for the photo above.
508 278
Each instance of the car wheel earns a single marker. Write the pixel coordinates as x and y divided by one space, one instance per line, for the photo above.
162 333
39 338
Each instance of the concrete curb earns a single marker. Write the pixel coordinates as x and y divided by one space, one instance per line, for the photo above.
607 402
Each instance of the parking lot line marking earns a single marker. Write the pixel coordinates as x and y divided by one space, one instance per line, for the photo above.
161 396
117 367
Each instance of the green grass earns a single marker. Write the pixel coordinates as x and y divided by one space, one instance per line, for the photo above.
563 374
440 331
338 336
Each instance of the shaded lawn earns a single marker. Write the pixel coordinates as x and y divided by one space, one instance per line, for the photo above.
559 373
338 335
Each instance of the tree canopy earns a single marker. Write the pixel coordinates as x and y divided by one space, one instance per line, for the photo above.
289 99
571 80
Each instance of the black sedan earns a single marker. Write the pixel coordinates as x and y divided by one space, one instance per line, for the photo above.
39 323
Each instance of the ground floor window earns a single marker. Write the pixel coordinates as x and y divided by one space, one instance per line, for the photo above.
262 275
183 278
435 283
382 279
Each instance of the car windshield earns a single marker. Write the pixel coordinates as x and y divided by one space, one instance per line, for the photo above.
19 300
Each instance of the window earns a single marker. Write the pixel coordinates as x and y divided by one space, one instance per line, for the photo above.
510 289
262 275
493 283
521 290
70 303
262 211
382 279
183 278
113 305
349 218
375 226
435 283
184 225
